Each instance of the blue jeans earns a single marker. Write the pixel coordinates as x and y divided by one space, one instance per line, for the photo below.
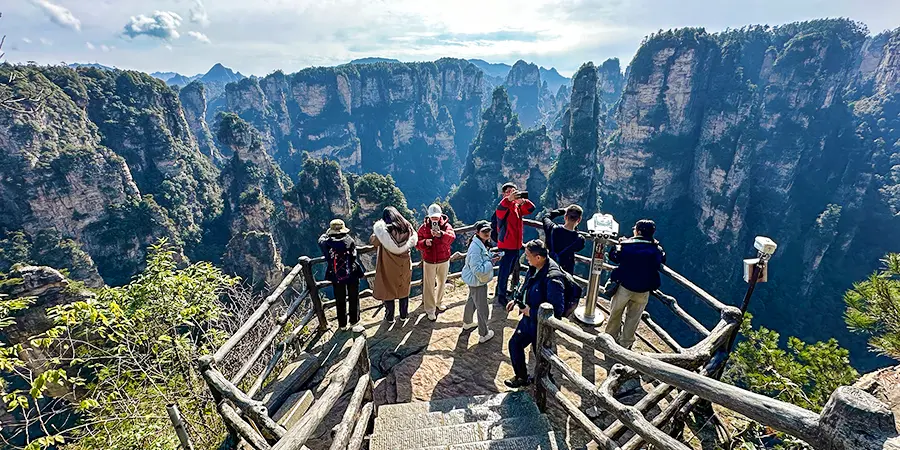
517 344
508 264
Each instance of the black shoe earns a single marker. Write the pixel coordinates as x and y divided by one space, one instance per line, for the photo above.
517 383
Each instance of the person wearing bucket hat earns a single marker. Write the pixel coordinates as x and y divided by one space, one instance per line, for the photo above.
343 270
436 235
477 273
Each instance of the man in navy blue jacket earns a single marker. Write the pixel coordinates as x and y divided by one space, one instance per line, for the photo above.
639 259
543 284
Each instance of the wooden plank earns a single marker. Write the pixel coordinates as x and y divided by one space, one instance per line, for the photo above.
297 436
343 430
673 305
246 432
253 409
291 380
711 301
580 418
361 426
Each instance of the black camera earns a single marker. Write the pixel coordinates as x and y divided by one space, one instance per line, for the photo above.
435 225
522 195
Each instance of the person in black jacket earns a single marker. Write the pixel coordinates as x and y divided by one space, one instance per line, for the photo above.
639 259
343 270
543 284
563 241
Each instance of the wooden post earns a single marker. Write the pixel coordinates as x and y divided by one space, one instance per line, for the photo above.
178 423
313 289
544 340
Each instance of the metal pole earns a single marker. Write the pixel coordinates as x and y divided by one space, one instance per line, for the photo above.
745 305
178 423
588 313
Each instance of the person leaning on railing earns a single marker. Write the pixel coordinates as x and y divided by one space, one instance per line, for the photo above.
477 273
544 283
436 235
394 237
639 259
343 270
563 241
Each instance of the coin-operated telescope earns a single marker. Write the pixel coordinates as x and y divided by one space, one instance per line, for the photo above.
603 229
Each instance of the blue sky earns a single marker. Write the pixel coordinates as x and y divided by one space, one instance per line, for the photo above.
259 36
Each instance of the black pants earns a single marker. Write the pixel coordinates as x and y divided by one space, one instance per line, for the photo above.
509 267
343 293
389 307
517 345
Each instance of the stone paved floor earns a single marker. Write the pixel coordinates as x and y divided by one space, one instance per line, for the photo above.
420 360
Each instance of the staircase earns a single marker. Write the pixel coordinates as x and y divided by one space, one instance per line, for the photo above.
496 422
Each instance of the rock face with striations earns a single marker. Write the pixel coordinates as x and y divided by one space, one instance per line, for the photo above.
193 102
789 132
575 173
57 176
523 83
414 121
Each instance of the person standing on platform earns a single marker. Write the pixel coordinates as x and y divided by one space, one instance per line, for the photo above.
639 260
343 270
477 273
394 237
436 235
510 214
563 241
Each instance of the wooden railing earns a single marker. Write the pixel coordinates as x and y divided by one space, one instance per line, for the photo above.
852 419
248 418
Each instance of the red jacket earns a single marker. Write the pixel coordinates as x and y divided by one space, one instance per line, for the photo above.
439 251
510 226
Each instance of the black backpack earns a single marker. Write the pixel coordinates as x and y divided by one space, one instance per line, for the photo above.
571 293
495 223
343 265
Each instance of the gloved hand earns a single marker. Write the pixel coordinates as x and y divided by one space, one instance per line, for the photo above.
557 213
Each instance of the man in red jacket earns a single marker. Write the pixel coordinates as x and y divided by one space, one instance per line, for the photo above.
510 228
435 237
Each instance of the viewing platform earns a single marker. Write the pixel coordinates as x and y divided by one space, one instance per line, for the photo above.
327 389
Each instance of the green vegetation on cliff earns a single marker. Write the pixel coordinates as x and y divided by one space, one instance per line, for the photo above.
873 308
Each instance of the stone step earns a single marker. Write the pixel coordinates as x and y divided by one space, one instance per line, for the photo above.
417 421
471 432
507 400
536 442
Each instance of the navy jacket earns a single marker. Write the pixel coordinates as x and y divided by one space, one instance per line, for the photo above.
562 244
544 286
639 262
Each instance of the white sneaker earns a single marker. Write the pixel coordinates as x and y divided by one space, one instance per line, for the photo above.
345 328
487 337
441 308
469 326
359 329
431 316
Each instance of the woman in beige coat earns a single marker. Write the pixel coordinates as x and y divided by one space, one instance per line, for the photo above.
394 237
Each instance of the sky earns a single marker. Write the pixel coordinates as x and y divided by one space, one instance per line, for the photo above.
260 36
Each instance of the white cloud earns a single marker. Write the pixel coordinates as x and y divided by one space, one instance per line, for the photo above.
162 25
26 40
199 15
46 42
105 48
199 37
58 14
89 46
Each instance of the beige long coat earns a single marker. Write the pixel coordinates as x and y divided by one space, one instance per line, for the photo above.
393 269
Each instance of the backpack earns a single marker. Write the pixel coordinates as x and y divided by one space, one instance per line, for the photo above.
571 293
343 265
495 233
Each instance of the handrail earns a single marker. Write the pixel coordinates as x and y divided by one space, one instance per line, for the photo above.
828 430
280 322
251 321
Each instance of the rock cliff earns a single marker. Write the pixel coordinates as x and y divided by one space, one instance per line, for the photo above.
56 174
575 174
193 101
523 84
788 132
414 121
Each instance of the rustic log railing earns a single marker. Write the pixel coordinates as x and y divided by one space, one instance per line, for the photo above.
852 419
248 418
